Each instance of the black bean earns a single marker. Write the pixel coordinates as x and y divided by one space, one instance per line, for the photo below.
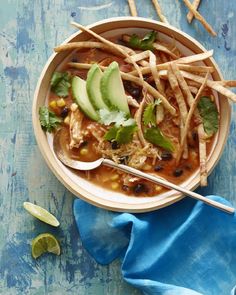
125 187
166 156
134 91
74 59
178 172
114 145
64 112
84 143
140 188
158 168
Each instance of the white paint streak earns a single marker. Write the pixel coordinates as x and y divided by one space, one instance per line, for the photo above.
95 8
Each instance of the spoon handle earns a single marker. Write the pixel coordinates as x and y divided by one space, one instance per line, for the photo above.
168 184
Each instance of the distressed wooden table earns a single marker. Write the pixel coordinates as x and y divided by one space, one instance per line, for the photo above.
29 31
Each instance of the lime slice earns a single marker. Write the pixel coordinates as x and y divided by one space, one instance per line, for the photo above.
41 214
45 243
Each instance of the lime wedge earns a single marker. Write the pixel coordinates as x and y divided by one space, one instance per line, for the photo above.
45 243
41 214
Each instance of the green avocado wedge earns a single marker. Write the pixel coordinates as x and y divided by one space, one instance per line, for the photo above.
112 89
93 88
80 95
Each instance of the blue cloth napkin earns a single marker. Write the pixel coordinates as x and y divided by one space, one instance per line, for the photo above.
186 248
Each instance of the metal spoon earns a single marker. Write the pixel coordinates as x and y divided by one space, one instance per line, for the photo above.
78 165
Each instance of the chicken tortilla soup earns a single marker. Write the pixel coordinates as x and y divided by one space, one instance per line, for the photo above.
138 101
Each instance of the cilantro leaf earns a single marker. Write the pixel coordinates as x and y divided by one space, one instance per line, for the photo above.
146 43
122 134
118 117
155 136
149 116
60 83
209 114
48 120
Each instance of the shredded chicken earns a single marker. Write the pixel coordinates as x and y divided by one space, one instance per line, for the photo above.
76 133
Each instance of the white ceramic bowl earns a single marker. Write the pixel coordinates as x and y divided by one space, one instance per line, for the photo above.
95 194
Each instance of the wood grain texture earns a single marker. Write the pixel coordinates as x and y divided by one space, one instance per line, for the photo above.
29 29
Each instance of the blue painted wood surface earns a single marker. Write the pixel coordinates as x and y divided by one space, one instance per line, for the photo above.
29 31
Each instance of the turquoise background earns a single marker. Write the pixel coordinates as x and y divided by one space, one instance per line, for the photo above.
29 31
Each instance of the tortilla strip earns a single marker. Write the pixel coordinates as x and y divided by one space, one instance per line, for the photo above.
86 44
190 15
211 84
202 155
132 7
181 103
159 86
227 83
186 91
162 48
159 11
177 92
199 17
181 61
156 94
139 57
189 117
109 43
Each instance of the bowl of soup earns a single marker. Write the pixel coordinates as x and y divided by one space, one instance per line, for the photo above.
138 92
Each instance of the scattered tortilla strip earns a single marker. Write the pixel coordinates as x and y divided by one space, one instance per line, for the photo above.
227 83
159 11
132 7
87 44
162 48
193 89
199 17
211 84
153 67
190 15
186 91
139 57
202 155
177 92
163 58
189 117
109 43
159 86
180 62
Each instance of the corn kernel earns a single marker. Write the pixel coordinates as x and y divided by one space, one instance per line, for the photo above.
114 177
83 151
114 185
147 167
158 188
74 107
67 120
61 103
53 104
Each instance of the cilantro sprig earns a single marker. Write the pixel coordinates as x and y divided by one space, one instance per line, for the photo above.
123 128
146 43
60 83
155 136
209 114
48 119
149 116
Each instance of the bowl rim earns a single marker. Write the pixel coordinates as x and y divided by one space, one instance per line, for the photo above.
65 179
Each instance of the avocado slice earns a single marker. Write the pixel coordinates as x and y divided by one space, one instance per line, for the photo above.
80 95
93 87
112 89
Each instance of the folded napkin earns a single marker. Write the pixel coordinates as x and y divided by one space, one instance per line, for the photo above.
186 248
